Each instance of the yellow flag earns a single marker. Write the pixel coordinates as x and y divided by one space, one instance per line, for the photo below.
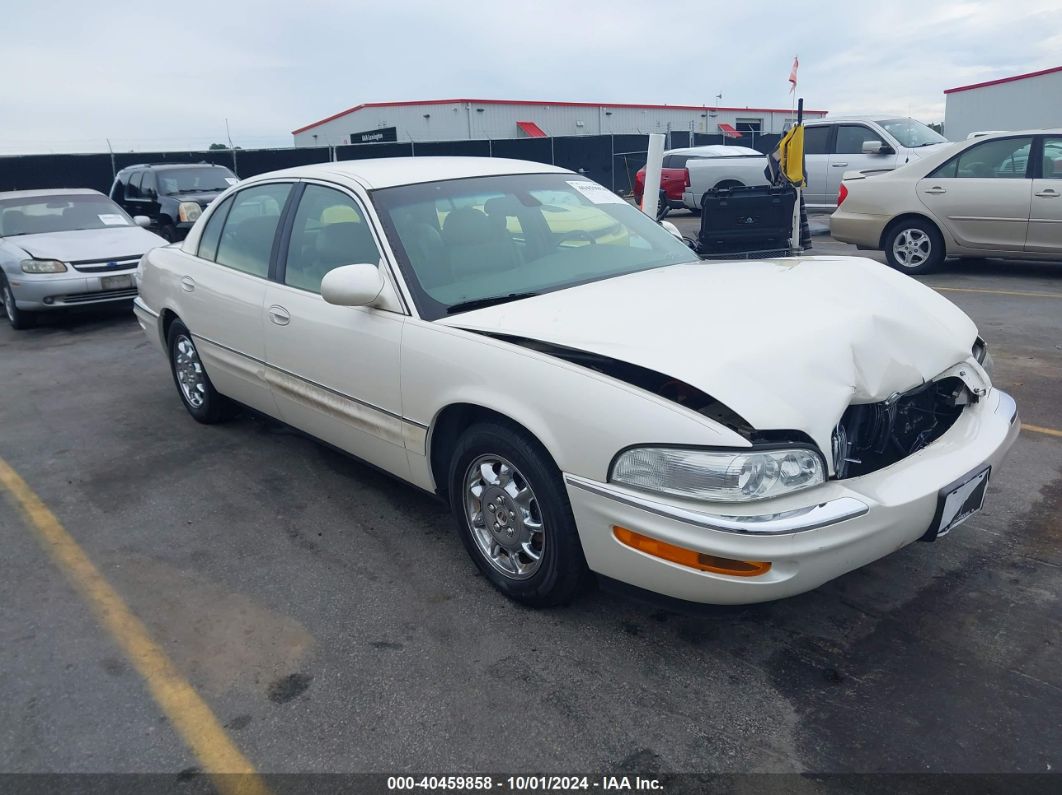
791 155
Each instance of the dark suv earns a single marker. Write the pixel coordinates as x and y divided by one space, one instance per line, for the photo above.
172 195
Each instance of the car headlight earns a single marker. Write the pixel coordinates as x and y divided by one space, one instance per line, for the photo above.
188 212
719 475
43 266
981 354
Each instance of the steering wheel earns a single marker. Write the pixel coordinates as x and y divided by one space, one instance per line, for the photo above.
576 234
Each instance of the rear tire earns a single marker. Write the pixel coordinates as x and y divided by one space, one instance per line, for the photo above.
914 246
204 403
19 319
514 517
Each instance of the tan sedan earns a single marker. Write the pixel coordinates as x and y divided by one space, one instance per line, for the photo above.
994 196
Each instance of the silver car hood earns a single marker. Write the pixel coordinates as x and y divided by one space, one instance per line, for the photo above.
787 344
88 244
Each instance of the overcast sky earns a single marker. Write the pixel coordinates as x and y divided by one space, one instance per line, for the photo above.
167 75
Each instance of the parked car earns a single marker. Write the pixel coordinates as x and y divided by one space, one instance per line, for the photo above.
64 248
993 196
172 195
859 143
688 173
606 407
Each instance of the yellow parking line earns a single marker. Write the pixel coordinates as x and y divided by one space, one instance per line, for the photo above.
1023 293
1041 429
184 708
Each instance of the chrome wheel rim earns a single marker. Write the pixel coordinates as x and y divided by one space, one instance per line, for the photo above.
912 248
9 304
190 375
504 516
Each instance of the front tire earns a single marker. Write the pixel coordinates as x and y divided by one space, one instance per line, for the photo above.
914 246
204 403
168 232
19 319
514 517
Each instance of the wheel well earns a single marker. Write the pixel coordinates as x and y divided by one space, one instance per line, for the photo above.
453 421
168 316
906 217
729 183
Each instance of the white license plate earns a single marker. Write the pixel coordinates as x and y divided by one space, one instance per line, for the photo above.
117 282
961 500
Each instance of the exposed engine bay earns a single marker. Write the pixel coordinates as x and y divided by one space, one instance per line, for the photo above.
872 436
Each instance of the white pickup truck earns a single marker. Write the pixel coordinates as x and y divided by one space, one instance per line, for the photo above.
720 167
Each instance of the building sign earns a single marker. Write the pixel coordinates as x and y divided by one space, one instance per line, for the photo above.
377 136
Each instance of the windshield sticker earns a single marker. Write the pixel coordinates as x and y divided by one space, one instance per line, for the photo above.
596 193
231 180
112 219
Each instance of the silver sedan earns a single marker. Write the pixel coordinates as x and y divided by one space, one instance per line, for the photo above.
63 248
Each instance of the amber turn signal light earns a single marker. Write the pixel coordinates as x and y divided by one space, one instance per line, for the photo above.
690 557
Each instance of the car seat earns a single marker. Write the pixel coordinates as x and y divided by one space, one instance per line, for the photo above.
344 243
474 244
13 222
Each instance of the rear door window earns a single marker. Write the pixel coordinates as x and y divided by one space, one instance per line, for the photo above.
815 139
247 238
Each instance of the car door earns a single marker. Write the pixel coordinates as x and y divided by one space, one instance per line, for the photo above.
223 289
847 155
816 163
1045 216
983 194
334 370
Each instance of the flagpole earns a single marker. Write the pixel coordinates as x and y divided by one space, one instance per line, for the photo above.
794 241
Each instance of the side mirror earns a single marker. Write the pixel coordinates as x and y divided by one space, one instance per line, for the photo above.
670 227
877 148
142 221
352 285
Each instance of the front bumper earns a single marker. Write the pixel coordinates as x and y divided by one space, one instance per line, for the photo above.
41 292
809 537
858 229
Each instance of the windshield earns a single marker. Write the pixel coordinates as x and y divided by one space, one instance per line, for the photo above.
911 133
469 242
174 181
42 214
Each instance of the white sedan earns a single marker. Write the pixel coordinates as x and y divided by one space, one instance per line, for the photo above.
722 432
998 195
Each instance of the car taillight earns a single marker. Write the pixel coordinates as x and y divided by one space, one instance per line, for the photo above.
686 176
842 194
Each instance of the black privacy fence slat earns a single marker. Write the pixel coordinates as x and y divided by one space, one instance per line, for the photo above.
611 160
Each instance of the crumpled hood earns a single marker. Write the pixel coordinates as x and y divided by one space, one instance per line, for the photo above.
82 244
787 344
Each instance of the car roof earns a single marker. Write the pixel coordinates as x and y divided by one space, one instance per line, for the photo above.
387 172
41 194
174 165
861 117
714 149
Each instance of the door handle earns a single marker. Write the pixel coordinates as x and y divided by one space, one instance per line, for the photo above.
936 190
187 284
1049 193
279 315
839 165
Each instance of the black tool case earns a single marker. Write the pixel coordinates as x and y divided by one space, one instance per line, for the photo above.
746 220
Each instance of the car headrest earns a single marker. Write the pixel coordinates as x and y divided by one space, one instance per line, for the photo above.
467 226
13 222
346 243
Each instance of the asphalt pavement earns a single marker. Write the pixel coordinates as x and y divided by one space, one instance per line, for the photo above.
330 619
